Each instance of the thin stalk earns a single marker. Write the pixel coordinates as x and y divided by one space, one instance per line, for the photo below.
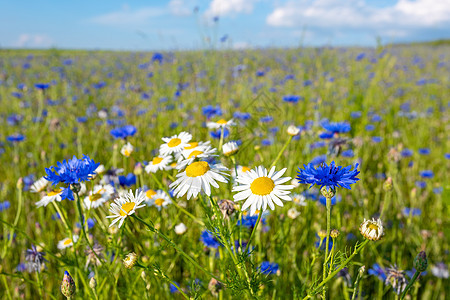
324 275
222 132
416 275
281 152
355 288
167 239
253 232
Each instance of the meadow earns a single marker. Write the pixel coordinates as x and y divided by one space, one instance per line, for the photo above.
384 112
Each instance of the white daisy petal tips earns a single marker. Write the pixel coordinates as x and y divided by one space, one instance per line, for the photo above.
125 206
262 189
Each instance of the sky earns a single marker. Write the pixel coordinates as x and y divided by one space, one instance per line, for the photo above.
198 24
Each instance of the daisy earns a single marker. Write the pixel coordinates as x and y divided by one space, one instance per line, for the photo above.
198 176
261 189
150 194
299 199
188 156
125 206
160 199
65 243
98 196
158 163
230 148
39 185
127 149
222 123
191 146
175 143
52 196
372 229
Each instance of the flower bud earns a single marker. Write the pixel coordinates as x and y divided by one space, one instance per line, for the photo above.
130 260
230 148
421 262
68 285
387 186
227 208
92 283
293 130
322 234
334 233
20 183
138 169
328 192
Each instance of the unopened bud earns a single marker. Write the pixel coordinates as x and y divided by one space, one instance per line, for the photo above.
92 283
421 262
138 169
293 130
328 192
68 285
227 208
20 183
130 260
322 234
334 233
387 186
362 270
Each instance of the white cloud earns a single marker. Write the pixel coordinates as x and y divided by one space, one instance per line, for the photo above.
229 7
337 15
180 8
33 40
127 16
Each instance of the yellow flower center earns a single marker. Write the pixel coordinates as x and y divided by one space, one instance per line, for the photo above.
150 193
195 153
126 152
191 146
174 142
54 192
222 122
262 186
94 197
245 169
126 208
197 169
159 201
157 160
173 165
67 242
373 227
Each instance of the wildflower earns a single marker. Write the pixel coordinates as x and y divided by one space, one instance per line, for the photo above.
93 255
293 130
334 233
323 241
262 188
39 185
54 195
427 174
65 243
230 148
130 260
35 259
328 176
160 199
123 132
180 229
175 143
14 138
196 177
128 180
440 270
71 172
411 211
174 287
92 283
269 268
188 156
372 229
4 205
240 170
337 127
98 196
378 271
209 240
158 163
396 278
125 206
68 285
217 134
291 98
222 123
293 213
214 286
127 149
421 262
250 221
299 199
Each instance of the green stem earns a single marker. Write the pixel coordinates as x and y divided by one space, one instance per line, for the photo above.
222 132
281 152
358 278
167 239
253 232
324 275
343 265
416 275
39 284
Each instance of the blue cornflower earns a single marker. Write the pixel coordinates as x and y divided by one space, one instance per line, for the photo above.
123 132
377 139
328 176
216 134
424 151
157 57
326 135
337 127
266 119
42 86
411 211
406 153
427 174
370 127
210 111
378 271
421 184
356 114
324 242
269 268
15 138
318 160
291 98
174 288
4 205
71 171
348 153
35 259
250 221
360 56
128 180
209 239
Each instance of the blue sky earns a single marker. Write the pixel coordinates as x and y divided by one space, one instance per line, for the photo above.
162 25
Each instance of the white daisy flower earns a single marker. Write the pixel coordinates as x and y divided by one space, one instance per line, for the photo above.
372 229
230 148
188 156
98 196
160 199
65 243
240 170
198 176
127 149
222 123
180 229
158 163
39 185
261 189
125 206
175 143
51 196
299 199
191 146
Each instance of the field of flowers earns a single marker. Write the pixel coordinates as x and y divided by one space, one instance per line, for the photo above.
256 174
